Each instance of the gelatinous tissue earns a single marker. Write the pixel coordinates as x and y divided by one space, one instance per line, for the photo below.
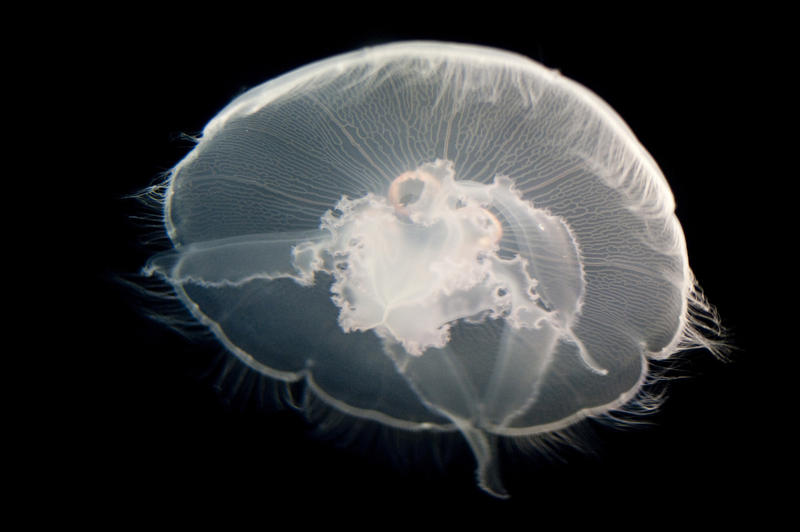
436 237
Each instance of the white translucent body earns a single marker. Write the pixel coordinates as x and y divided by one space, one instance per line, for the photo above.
433 236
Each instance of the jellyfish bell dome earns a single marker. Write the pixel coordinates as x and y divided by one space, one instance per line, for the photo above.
436 237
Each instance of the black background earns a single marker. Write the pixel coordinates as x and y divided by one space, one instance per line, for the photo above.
139 426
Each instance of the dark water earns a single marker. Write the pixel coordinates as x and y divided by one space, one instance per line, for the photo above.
139 424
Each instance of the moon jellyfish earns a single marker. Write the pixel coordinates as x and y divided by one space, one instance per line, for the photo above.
435 237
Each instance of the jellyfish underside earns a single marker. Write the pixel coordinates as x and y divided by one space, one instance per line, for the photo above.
415 289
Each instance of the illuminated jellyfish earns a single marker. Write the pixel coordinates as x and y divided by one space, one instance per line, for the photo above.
436 237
